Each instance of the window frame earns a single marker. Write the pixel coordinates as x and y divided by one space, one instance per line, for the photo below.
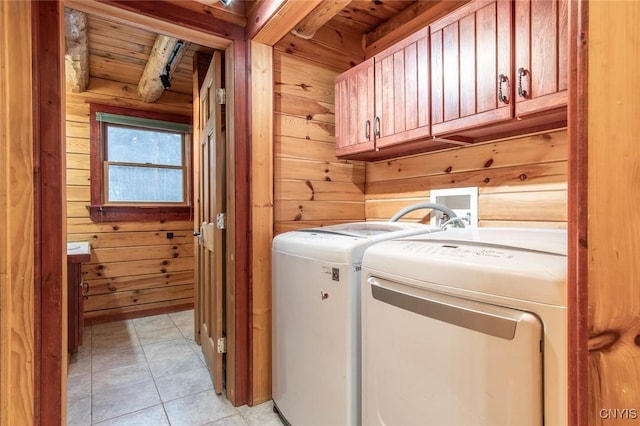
102 211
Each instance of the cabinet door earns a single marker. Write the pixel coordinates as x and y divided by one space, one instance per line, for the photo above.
471 67
354 110
541 65
402 91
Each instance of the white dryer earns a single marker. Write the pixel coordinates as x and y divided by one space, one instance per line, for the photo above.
466 327
316 319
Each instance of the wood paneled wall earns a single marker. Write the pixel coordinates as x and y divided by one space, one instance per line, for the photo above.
134 267
614 218
312 187
521 181
18 358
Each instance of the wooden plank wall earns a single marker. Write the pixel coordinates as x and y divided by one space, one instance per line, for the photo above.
134 267
521 181
17 232
312 187
614 218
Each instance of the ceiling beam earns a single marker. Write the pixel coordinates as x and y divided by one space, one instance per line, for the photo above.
182 16
76 52
408 21
273 19
150 87
318 17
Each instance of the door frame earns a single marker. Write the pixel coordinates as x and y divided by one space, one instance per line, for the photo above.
49 137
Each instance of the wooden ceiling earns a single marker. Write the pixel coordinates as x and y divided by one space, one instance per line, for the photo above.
120 52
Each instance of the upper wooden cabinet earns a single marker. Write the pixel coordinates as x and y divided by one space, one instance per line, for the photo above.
471 66
402 91
355 110
384 101
491 68
475 81
541 60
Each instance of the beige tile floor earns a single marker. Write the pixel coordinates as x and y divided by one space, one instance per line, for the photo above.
149 371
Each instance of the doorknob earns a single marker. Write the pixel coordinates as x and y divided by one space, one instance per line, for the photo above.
196 234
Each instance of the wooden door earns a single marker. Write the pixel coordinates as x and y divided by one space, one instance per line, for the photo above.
211 203
402 91
354 110
471 67
541 60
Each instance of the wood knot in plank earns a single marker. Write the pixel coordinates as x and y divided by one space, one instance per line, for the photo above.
448 169
488 163
304 86
313 192
523 176
165 262
603 342
115 227
487 180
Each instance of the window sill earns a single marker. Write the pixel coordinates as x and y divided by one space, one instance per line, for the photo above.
138 213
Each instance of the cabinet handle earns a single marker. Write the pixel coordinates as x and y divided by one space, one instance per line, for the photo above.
376 131
521 92
501 96
367 130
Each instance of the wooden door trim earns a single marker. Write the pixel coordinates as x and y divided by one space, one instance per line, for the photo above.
239 383
50 222
261 119
578 328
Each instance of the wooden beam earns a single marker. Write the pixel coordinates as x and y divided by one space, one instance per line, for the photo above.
76 46
318 17
150 87
184 17
410 20
149 23
273 19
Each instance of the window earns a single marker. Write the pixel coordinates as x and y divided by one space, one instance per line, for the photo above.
140 165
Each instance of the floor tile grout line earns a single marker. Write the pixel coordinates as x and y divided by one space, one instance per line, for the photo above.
153 377
187 340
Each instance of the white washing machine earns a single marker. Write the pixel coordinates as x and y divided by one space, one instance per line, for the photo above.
466 327
316 319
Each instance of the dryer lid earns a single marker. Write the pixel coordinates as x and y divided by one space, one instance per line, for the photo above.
552 241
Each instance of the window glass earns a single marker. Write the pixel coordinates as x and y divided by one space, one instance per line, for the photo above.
131 145
145 184
144 165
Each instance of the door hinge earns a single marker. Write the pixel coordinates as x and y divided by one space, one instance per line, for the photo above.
221 221
221 96
222 345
